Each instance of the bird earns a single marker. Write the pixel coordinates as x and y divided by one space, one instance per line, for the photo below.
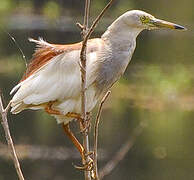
52 81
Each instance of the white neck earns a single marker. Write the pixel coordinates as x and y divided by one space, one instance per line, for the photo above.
120 34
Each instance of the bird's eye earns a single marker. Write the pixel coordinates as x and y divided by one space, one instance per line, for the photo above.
144 19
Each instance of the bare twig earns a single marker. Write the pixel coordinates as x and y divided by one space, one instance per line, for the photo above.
107 169
96 134
83 88
96 21
86 35
11 147
18 46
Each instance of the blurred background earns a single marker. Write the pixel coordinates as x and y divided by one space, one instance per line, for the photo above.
157 89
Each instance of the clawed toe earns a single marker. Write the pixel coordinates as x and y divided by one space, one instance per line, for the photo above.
86 126
88 166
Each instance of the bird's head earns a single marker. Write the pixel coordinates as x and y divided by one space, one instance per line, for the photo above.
142 20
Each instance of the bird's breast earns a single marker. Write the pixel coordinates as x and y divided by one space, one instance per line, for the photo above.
111 68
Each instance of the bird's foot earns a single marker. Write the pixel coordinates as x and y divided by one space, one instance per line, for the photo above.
88 164
86 159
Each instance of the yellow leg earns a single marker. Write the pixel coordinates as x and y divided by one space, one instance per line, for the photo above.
49 109
68 132
80 148
74 115
73 139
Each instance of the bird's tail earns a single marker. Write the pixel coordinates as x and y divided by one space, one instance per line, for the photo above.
17 107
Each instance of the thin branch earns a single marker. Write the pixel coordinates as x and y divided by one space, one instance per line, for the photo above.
17 45
96 135
86 15
83 94
86 35
108 168
96 21
11 147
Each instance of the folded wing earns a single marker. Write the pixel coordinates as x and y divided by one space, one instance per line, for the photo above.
53 74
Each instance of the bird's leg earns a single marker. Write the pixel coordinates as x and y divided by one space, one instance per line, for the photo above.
49 109
79 118
75 116
80 148
73 139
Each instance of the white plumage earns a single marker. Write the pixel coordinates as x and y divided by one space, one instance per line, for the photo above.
58 80
53 75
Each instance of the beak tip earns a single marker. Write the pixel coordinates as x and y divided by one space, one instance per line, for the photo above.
178 27
165 24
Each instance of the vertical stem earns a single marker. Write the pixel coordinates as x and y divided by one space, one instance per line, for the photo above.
83 87
86 14
86 35
11 147
96 135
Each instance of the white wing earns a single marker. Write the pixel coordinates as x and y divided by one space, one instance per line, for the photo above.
58 79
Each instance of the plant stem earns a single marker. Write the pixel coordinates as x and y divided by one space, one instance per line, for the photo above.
96 135
8 137
86 35
83 92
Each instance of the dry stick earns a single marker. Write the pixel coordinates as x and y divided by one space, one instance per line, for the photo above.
94 24
5 125
108 168
83 88
96 135
86 36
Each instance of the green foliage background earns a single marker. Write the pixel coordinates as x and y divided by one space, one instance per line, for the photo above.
158 87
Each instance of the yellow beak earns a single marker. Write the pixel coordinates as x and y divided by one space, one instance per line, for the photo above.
164 24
